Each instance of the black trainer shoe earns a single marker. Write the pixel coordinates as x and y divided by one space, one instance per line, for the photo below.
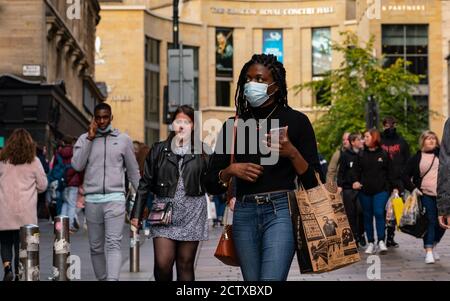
8 276
390 243
362 241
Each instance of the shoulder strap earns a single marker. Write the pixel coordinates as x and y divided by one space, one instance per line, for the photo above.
230 190
428 170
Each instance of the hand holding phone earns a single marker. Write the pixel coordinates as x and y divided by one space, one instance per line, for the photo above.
92 129
276 135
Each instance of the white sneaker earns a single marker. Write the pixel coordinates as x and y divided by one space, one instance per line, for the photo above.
370 248
382 247
436 255
429 258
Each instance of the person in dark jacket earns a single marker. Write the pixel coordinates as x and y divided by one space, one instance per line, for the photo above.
420 175
371 177
350 196
398 151
174 172
443 186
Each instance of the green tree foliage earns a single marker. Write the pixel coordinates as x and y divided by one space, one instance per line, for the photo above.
360 75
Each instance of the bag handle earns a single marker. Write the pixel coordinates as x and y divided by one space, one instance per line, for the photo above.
232 157
319 182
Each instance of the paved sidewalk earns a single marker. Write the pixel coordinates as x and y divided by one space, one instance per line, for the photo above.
405 263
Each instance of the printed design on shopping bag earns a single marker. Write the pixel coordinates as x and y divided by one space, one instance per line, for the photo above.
328 237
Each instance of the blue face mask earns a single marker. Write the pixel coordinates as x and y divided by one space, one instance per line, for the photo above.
106 130
256 93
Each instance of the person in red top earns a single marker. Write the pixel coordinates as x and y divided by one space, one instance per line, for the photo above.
73 180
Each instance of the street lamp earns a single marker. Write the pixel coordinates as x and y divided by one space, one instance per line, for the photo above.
371 113
175 24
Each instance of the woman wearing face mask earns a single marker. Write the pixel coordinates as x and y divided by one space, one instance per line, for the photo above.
420 175
262 227
174 170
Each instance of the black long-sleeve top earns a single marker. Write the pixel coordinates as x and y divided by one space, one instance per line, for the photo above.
398 151
373 170
347 162
279 176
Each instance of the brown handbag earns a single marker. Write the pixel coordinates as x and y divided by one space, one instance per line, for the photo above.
225 250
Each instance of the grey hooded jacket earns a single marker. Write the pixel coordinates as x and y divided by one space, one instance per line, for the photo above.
104 162
443 183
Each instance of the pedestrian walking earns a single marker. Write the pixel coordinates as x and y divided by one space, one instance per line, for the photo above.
22 177
333 166
174 172
262 226
371 176
104 153
398 150
347 162
420 176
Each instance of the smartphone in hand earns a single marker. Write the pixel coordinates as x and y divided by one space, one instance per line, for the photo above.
277 134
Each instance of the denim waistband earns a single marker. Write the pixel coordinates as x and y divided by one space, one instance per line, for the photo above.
262 198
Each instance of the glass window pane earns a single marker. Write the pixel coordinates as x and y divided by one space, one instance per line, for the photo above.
419 66
321 50
390 60
393 49
223 93
417 31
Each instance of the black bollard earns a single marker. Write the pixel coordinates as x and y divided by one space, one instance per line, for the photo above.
61 248
29 253
134 250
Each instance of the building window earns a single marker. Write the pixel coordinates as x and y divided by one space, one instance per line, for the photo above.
321 61
409 42
224 65
151 136
152 90
152 96
223 93
224 52
350 12
321 51
152 51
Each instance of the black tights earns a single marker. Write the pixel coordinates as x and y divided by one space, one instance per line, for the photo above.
167 252
8 239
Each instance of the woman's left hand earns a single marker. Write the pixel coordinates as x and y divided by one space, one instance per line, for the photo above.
284 147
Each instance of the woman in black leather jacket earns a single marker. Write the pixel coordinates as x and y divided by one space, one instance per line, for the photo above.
179 155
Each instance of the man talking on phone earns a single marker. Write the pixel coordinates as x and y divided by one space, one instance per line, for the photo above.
104 154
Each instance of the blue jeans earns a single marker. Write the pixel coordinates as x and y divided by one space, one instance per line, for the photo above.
70 196
264 239
220 206
434 231
374 206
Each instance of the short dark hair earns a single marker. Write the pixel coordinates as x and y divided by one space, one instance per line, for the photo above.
353 136
389 120
102 106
